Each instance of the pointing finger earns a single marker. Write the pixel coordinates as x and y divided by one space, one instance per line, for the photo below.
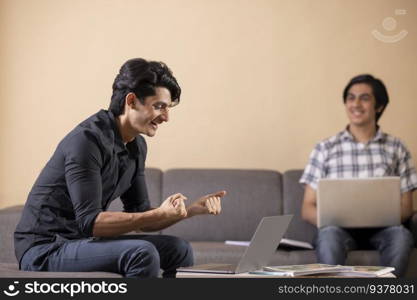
218 194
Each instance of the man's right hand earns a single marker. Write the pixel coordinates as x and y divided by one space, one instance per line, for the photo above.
173 207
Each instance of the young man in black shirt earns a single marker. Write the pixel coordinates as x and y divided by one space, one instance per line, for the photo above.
65 226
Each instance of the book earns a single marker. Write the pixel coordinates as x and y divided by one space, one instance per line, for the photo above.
301 270
284 243
368 271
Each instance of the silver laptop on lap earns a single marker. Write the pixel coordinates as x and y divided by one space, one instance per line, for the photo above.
263 245
359 202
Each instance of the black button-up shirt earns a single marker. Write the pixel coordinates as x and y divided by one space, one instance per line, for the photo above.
90 167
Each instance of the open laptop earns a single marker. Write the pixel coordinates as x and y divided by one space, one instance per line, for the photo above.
359 202
260 250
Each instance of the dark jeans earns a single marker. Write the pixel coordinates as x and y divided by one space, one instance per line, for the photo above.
394 244
130 255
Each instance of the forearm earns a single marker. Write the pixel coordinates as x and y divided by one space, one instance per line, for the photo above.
406 213
406 206
165 223
159 225
309 206
109 224
309 214
191 211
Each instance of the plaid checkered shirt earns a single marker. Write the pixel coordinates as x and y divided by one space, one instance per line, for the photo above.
342 157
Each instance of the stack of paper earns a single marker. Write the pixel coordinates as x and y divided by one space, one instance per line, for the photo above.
325 270
367 271
301 270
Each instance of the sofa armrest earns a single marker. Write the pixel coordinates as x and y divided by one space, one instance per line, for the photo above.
412 226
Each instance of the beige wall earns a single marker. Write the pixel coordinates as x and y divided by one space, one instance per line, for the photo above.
262 79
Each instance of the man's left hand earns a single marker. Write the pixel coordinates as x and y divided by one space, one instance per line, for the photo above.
208 204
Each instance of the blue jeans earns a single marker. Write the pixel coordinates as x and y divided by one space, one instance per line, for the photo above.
129 255
394 244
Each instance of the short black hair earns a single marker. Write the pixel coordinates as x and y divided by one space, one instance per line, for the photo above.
141 77
378 89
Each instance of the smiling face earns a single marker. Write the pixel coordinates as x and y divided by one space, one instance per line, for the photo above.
145 118
360 105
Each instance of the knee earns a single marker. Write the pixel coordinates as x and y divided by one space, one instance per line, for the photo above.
330 236
149 253
399 235
329 232
182 249
144 260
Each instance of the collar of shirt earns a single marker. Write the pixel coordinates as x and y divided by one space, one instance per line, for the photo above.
131 148
346 135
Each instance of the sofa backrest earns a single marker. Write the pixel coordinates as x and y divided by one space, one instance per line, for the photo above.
252 194
153 182
293 193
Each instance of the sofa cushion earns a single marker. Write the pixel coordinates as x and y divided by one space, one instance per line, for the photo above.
219 252
252 194
154 184
293 199
9 218
216 252
296 257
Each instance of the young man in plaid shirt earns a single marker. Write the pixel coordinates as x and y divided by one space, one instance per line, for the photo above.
362 150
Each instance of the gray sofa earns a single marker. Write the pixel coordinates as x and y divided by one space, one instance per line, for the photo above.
252 194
